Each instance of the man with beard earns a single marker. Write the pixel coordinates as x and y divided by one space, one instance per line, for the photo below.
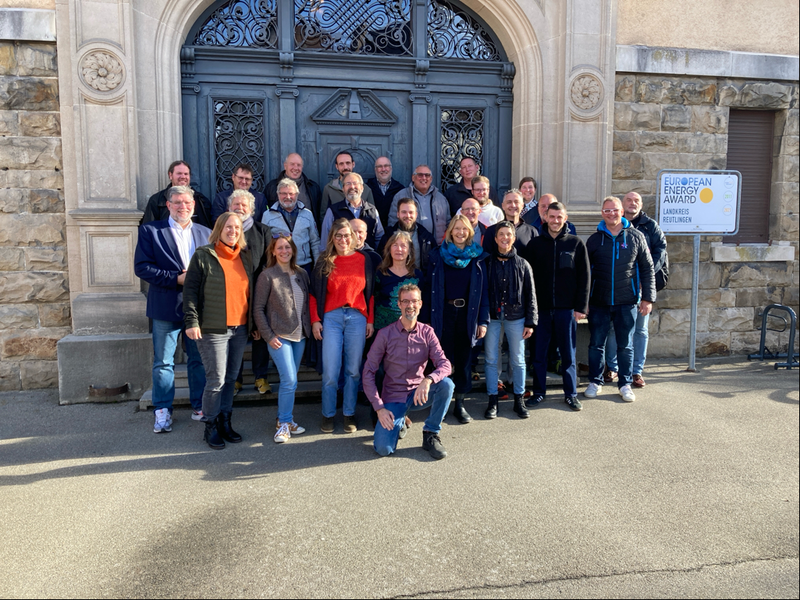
179 173
334 192
290 216
354 206
404 348
421 238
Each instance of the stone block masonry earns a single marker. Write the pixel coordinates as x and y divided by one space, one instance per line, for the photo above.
681 122
34 282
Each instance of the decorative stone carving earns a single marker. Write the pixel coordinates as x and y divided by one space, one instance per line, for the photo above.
102 71
586 92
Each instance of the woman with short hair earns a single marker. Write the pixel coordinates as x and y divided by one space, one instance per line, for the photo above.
216 306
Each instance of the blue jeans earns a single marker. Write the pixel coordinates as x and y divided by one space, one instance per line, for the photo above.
344 332
516 353
165 340
222 354
385 440
558 324
623 317
640 338
287 361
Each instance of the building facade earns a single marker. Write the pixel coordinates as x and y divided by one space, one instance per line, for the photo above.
590 98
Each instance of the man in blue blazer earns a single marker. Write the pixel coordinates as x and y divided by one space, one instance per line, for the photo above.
162 257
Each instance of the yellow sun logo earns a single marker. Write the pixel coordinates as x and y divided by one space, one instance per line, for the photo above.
706 195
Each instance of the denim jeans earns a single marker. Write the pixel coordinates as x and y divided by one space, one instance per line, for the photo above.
558 324
516 353
640 338
287 361
165 340
344 332
623 317
222 355
385 440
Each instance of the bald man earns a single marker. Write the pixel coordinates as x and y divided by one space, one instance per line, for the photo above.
309 192
384 188
538 218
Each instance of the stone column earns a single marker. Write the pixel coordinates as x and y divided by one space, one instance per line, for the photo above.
110 344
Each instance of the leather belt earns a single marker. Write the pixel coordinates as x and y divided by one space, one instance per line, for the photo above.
458 302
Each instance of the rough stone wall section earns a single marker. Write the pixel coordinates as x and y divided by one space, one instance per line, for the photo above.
34 286
670 122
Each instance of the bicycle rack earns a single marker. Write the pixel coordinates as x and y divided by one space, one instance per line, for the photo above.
762 351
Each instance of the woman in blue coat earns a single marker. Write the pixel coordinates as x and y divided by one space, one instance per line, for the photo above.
459 303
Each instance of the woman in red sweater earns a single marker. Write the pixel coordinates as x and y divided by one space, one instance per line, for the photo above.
342 319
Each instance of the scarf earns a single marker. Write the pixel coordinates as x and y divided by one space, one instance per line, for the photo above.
456 258
247 224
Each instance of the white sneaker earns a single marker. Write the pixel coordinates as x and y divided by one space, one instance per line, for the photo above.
283 434
627 393
293 427
197 415
592 390
163 421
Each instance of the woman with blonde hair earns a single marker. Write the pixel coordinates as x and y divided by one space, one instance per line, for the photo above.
459 303
216 306
341 307
281 314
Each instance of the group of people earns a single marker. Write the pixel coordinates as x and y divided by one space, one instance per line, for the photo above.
397 296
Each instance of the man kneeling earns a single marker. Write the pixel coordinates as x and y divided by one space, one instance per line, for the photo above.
405 347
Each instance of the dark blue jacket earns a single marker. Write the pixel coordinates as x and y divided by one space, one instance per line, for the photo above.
620 265
158 262
477 303
221 204
542 227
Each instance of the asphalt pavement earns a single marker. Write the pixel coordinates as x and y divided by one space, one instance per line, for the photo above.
691 491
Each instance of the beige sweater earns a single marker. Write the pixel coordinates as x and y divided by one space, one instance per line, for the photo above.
274 310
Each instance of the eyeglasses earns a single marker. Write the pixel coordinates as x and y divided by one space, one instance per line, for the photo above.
423 175
410 302
610 211
342 236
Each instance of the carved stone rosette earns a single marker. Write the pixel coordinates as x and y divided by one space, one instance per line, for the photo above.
586 92
102 71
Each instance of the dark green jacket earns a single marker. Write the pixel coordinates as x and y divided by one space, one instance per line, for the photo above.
204 291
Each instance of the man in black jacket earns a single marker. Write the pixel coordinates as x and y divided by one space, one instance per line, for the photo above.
657 243
179 173
561 275
421 238
308 190
354 206
512 209
622 273
384 188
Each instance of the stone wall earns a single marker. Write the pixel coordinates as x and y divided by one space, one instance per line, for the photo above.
670 122
34 288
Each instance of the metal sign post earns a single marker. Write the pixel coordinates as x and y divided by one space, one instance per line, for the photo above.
698 203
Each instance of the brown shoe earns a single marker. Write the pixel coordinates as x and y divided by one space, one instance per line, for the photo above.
610 376
638 381
350 424
327 425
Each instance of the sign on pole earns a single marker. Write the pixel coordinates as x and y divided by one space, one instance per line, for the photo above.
696 203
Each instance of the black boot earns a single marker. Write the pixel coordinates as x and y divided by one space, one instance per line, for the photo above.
519 407
225 429
212 437
491 410
459 412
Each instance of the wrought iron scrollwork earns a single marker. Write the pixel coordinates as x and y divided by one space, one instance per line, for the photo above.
241 23
238 138
462 136
452 33
354 26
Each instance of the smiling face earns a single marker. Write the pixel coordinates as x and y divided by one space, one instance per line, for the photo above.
528 191
343 240
467 169
471 209
181 209
422 179
480 191
399 251
460 234
180 175
241 206
544 202
287 196
383 170
410 303
512 206
231 231
505 237
632 204
293 166
282 251
612 213
555 221
345 164
242 180
407 215
353 189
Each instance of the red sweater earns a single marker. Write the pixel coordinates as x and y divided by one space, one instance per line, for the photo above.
345 286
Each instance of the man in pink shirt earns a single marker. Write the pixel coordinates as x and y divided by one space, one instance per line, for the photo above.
405 347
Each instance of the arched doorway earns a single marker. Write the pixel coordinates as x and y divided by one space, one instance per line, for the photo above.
421 81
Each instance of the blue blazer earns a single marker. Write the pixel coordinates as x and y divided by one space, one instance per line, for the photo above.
158 262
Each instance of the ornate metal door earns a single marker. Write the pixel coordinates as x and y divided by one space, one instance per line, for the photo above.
421 81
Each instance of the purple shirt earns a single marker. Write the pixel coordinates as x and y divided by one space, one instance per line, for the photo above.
405 355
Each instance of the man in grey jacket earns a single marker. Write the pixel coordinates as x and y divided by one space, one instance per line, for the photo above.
433 211
289 215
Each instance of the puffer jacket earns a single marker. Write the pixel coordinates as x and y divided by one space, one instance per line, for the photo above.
204 291
620 265
304 235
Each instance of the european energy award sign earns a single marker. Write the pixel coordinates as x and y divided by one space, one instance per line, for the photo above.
699 202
